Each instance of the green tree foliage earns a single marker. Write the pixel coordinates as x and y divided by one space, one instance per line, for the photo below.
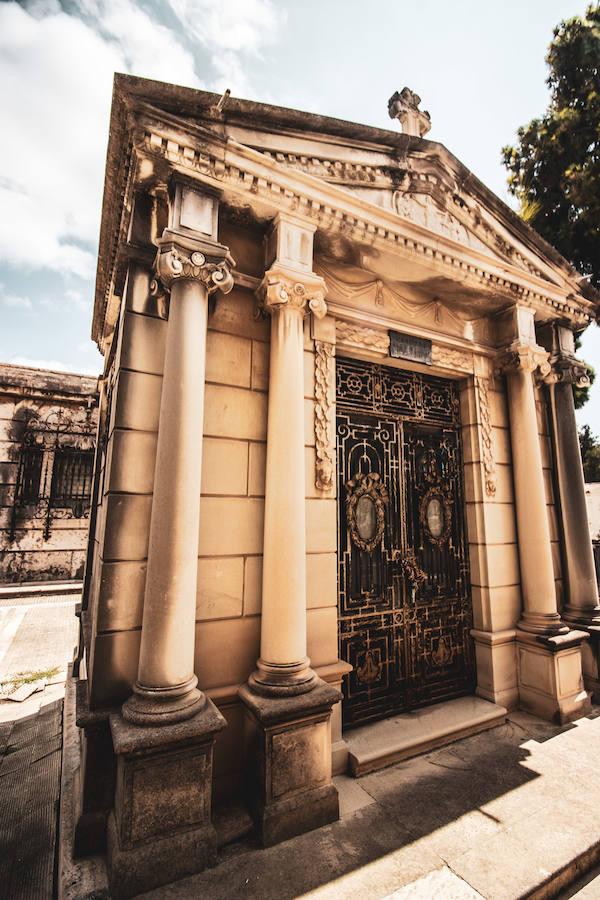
590 453
554 170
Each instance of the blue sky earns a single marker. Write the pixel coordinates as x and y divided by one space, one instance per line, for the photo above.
479 68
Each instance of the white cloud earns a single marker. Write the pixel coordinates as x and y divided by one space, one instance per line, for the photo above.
232 31
15 300
240 25
56 71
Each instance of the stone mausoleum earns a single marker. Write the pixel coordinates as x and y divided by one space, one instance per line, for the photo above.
48 424
337 478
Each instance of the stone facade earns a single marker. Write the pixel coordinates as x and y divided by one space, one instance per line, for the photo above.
244 250
48 424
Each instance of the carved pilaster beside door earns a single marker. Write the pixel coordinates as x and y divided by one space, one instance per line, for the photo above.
324 366
485 423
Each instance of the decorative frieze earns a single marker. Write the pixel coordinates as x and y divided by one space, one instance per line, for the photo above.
324 366
485 424
449 358
361 337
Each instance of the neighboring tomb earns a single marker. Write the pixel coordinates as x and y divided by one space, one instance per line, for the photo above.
48 426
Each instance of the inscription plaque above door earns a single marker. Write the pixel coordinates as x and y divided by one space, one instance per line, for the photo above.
406 346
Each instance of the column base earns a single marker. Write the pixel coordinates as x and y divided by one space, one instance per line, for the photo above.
94 798
160 829
272 680
545 625
582 618
550 676
163 706
288 752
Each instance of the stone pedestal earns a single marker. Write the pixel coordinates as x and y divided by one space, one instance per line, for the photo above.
548 654
550 675
96 776
590 659
288 746
160 829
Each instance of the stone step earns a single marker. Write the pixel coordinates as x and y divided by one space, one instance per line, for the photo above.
380 744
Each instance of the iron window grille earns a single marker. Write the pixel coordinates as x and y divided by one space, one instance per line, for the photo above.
71 484
55 470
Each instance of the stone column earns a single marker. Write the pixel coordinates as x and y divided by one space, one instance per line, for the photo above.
160 829
579 574
549 655
540 613
166 690
288 707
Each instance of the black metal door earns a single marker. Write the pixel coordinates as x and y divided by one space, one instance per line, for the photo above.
404 608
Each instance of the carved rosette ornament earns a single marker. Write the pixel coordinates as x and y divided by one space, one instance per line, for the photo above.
324 356
283 289
179 259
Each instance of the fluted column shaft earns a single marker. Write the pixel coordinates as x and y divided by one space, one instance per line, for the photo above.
540 613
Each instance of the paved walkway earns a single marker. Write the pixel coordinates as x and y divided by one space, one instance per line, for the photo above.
30 764
509 813
36 634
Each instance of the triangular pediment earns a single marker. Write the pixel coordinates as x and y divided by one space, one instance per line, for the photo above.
426 196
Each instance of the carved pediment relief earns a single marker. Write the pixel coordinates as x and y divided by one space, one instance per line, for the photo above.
415 193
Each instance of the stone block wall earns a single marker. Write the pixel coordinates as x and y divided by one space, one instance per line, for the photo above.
231 528
46 401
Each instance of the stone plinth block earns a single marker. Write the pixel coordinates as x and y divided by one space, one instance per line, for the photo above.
590 658
550 676
97 776
288 752
160 829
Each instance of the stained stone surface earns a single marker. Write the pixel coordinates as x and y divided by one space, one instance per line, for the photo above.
496 815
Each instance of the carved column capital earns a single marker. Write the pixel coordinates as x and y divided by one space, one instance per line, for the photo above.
282 288
567 369
181 258
524 358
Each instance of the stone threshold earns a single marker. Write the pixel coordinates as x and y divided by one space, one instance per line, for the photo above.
39 589
381 744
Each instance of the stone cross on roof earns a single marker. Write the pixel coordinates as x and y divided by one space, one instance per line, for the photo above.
404 106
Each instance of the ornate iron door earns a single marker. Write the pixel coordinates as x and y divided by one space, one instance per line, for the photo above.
404 607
